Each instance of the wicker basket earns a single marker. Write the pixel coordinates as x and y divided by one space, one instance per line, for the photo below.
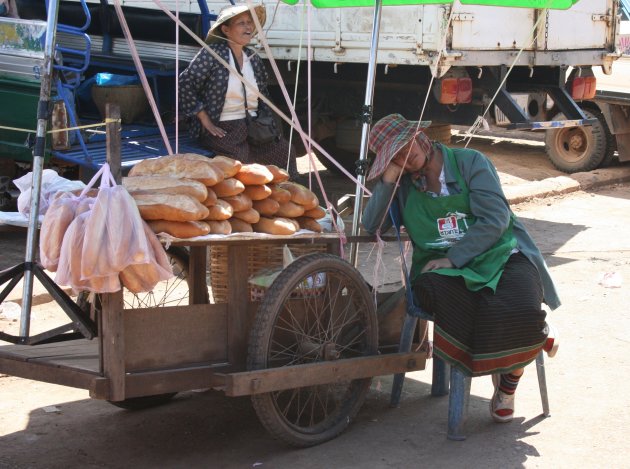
259 257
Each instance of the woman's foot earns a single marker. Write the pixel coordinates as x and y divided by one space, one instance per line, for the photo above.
552 343
502 406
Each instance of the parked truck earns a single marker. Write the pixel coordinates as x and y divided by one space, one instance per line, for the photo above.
519 68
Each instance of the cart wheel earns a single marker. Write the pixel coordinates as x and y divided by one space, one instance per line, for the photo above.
144 402
173 292
318 309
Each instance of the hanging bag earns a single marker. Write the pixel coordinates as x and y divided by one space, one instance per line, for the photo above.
262 128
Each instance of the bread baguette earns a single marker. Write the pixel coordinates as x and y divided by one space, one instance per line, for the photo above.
266 207
211 199
165 185
257 192
221 211
179 166
169 207
279 174
239 202
300 194
275 225
222 227
307 223
180 229
254 174
228 165
249 216
316 213
279 194
228 187
290 210
240 226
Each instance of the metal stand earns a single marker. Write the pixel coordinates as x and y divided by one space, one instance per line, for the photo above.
29 268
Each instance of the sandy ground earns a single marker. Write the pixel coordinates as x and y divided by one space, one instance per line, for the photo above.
582 237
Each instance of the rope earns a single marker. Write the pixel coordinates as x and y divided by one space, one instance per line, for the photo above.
66 129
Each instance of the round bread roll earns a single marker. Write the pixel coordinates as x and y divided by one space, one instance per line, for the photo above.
266 207
249 216
254 174
257 192
275 225
300 194
222 227
279 174
307 223
315 213
240 226
228 187
221 211
211 198
228 165
239 202
278 194
180 229
290 210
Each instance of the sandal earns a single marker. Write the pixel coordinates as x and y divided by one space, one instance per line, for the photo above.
552 343
501 404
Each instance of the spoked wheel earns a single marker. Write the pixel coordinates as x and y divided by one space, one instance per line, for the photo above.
318 309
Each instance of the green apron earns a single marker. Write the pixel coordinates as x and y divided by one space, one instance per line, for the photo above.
435 224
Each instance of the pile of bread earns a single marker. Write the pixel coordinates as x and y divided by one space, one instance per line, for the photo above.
188 195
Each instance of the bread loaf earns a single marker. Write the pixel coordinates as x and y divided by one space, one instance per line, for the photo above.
275 225
229 166
179 166
279 194
169 207
56 222
240 226
307 223
257 192
211 199
266 207
301 195
228 187
221 211
254 174
239 202
290 210
180 229
165 185
279 174
316 213
249 216
221 227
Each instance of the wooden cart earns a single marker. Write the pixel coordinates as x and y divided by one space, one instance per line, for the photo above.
306 353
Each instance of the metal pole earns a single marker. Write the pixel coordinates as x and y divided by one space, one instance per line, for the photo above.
367 120
38 166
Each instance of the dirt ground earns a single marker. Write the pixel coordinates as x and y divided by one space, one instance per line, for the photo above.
582 237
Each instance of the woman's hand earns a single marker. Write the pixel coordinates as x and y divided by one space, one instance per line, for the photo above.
392 172
442 263
209 126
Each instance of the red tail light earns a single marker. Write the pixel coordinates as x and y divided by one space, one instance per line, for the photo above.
455 90
583 87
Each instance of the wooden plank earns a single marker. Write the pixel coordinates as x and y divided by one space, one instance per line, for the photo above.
197 267
48 373
238 300
27 352
290 377
158 338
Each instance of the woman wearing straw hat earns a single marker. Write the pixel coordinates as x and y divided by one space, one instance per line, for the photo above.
474 266
212 99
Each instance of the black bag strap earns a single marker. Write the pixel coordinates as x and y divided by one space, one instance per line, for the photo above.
238 69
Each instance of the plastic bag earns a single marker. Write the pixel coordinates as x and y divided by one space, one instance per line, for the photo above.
110 79
51 184
114 237
60 214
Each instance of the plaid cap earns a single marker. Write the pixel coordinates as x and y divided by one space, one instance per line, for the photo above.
389 135
215 34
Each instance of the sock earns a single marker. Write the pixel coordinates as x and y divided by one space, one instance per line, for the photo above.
508 383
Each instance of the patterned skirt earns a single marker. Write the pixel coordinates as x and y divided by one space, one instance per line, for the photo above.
484 332
235 145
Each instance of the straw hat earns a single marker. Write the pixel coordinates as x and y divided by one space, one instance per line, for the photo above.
215 34
389 135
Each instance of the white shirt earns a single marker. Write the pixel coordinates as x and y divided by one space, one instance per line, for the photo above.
234 106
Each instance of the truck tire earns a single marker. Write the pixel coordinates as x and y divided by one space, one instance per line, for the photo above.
577 149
